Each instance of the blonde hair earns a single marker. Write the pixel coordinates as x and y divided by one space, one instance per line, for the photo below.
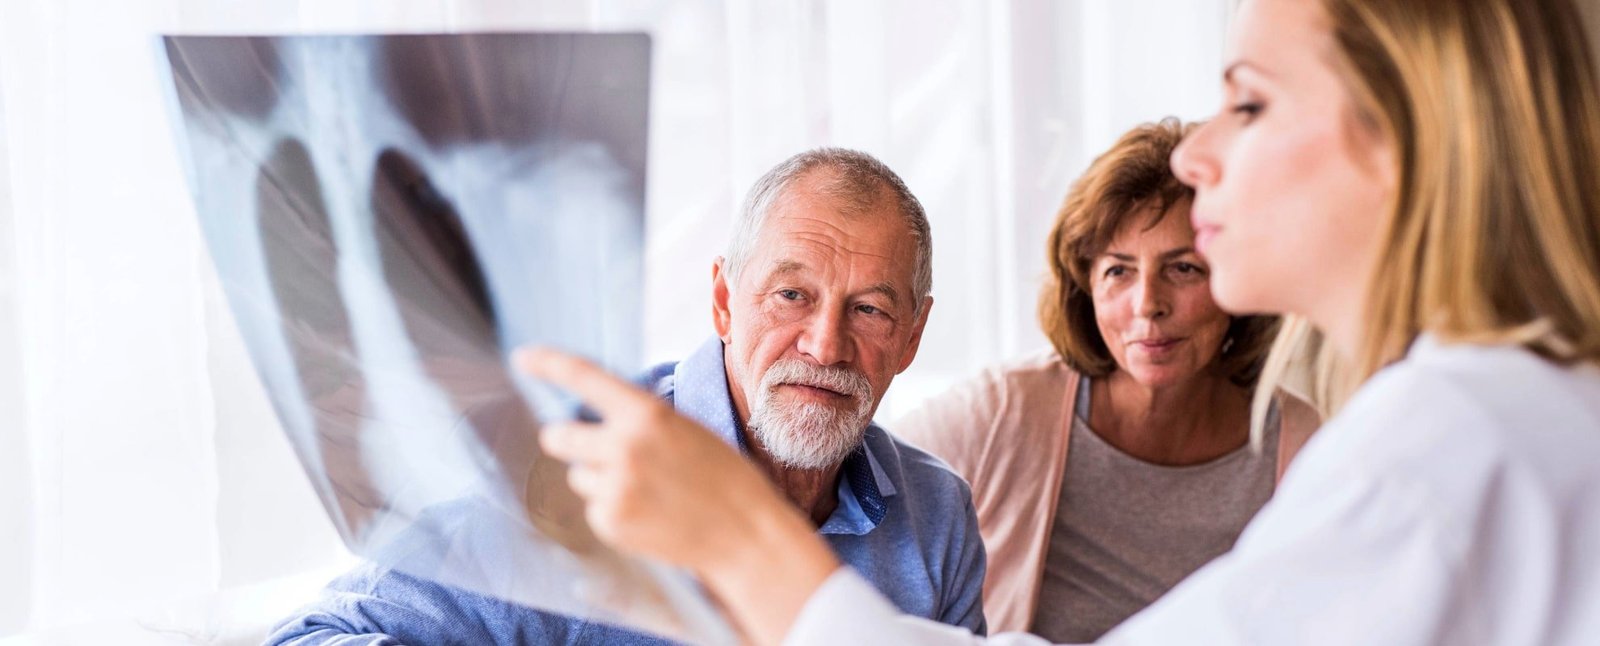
1130 180
1493 112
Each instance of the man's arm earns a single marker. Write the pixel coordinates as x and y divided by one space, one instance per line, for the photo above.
323 626
372 606
963 583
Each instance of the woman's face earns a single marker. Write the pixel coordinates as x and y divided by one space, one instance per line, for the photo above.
1151 300
1291 186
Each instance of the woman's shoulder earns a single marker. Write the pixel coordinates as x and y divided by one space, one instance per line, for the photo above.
1479 448
1020 383
1009 399
1297 421
1037 374
1501 383
1477 409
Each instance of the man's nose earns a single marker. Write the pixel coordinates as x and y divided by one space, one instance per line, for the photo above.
825 339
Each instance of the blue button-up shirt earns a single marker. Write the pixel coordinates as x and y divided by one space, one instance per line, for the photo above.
904 521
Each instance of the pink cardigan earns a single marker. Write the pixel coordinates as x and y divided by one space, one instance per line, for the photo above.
1006 432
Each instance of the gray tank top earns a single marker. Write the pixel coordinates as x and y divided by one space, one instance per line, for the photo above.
1126 530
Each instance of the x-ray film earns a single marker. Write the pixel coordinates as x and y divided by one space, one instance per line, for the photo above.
390 215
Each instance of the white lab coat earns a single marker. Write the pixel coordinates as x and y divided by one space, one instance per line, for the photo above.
1455 500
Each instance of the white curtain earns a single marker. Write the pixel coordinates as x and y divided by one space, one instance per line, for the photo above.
142 473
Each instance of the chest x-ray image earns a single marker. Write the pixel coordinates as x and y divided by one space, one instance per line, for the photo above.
389 216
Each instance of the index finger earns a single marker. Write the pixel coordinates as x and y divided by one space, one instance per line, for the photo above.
602 391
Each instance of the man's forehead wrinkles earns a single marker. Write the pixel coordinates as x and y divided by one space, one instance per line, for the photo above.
812 242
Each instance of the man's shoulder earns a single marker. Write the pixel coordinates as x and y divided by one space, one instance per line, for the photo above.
659 379
916 473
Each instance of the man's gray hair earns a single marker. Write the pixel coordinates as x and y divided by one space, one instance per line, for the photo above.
856 178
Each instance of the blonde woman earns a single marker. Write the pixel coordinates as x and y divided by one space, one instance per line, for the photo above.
1109 468
1417 180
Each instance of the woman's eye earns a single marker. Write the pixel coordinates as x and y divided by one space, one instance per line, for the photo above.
1188 268
1115 271
1248 110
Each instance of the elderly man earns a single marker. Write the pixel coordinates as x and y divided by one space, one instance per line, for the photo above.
819 303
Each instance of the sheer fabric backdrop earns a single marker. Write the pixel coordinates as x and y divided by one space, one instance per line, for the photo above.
141 469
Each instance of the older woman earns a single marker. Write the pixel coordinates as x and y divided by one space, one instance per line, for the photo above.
1107 470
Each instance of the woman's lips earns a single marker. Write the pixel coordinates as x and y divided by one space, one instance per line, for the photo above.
1158 346
1204 231
1203 234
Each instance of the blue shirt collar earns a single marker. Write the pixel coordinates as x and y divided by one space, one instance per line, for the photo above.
700 392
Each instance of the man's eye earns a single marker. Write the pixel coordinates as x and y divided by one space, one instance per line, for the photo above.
868 309
789 294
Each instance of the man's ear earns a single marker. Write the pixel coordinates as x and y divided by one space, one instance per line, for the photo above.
720 316
916 335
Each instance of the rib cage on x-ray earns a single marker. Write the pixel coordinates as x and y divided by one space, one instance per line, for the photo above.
389 216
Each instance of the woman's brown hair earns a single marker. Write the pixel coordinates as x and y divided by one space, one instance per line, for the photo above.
1131 180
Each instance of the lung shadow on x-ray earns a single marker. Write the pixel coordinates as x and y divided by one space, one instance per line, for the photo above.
302 260
444 304
508 89
241 77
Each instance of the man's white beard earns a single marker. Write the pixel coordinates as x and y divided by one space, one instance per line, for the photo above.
809 435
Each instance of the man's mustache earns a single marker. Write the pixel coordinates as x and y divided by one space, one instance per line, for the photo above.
844 381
